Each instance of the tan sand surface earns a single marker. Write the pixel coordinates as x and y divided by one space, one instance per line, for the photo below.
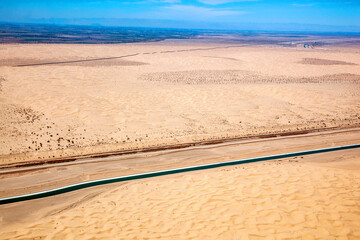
317 61
312 197
170 92
18 181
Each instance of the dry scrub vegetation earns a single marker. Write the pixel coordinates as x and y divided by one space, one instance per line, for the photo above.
241 77
165 93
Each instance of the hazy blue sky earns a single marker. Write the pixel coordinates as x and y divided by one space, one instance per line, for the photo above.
222 12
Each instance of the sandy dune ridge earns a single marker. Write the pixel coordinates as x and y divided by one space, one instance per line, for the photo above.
172 92
312 197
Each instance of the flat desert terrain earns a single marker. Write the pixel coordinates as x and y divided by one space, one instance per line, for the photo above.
58 101
61 100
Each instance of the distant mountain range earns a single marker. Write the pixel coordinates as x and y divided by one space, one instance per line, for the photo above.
126 22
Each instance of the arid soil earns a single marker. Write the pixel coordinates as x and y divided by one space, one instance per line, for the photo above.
175 91
310 197
317 61
63 100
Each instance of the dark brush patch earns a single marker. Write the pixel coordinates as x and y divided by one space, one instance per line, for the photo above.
318 61
1 80
241 77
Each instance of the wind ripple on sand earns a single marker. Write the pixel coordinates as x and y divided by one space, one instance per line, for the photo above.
291 201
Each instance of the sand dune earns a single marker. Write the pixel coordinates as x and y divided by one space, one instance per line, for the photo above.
298 198
173 92
170 92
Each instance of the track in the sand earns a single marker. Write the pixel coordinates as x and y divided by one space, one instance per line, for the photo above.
130 55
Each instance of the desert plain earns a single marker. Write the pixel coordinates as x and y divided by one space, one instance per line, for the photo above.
64 100
166 92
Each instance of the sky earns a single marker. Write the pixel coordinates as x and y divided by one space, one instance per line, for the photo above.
227 14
